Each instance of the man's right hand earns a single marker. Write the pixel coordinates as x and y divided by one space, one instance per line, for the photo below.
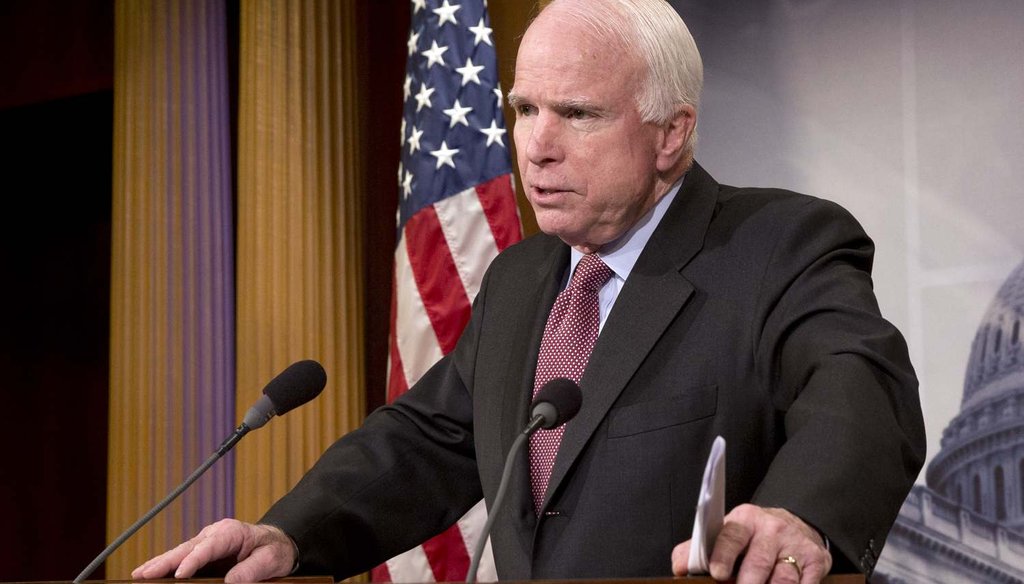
260 552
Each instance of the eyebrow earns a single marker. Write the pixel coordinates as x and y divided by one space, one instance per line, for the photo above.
577 103
514 99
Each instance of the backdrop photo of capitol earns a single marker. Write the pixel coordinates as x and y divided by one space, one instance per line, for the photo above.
966 524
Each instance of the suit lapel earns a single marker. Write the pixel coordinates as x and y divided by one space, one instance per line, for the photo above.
652 298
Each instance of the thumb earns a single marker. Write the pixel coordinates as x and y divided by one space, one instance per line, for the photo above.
681 559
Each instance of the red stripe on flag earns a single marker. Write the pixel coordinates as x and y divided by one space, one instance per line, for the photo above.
499 203
381 574
447 555
437 279
397 383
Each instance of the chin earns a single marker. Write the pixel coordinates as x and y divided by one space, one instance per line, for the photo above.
557 229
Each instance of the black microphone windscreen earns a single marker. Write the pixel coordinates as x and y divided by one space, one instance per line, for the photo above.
566 397
296 385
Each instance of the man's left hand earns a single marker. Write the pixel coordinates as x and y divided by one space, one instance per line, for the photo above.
778 546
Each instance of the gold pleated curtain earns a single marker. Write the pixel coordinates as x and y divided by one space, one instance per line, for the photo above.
299 233
172 274
178 326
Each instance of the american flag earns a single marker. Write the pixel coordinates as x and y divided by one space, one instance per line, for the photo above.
456 211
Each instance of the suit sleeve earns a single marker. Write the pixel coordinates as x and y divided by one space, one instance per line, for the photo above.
841 376
406 475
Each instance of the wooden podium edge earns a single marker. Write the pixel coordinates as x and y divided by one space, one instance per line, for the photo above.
832 579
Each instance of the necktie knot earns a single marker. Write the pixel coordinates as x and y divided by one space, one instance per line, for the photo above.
591 273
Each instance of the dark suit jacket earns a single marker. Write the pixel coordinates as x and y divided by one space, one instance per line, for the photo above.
750 314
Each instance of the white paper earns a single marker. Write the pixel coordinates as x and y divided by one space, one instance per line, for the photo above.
710 509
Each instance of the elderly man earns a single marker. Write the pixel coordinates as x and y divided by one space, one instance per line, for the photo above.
685 309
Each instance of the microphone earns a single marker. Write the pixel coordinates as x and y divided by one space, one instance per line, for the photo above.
293 387
557 402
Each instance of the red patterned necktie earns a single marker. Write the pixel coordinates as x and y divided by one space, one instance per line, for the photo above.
569 337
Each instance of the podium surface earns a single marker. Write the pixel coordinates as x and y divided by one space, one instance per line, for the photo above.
833 579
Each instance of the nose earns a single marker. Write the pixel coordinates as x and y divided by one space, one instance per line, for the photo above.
544 145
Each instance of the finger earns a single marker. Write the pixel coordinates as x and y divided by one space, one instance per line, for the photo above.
681 559
223 540
163 564
759 564
805 545
266 561
814 560
731 541
786 573
815 571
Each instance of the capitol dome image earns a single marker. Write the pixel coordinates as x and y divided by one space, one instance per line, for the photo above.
967 523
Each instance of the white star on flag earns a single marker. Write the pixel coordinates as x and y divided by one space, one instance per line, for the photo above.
497 92
418 5
414 140
407 87
446 13
445 155
433 54
414 38
407 184
458 114
469 72
423 97
494 133
481 32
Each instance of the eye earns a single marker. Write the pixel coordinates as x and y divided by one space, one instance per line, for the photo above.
578 114
525 109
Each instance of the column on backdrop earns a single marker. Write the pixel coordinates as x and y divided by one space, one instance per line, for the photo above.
172 288
299 233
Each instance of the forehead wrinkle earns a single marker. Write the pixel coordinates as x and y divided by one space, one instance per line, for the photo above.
582 66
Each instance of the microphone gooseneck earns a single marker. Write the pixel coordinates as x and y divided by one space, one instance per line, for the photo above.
296 385
557 402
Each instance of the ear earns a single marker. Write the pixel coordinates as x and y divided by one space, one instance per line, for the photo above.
675 134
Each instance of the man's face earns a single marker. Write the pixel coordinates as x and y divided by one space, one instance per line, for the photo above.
587 161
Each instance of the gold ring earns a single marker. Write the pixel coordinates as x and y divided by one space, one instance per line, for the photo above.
792 562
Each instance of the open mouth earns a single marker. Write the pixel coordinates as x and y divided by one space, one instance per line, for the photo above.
546 191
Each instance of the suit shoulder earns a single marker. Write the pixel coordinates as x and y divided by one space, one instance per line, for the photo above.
777 207
529 252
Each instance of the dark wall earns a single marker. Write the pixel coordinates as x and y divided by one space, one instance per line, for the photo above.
56 117
381 74
54 323
55 48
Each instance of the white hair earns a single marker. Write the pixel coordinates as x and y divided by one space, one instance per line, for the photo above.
655 33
